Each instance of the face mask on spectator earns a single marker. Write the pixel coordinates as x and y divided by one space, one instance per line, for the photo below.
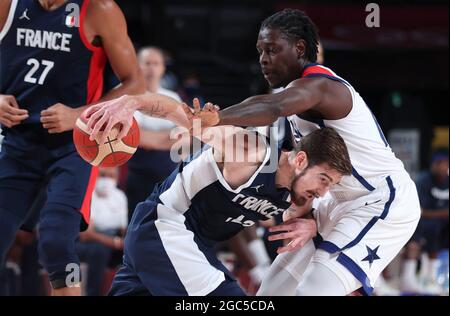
105 186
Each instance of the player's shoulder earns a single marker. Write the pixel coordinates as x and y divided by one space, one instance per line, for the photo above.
103 5
103 8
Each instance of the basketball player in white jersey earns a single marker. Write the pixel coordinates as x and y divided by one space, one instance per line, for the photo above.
370 215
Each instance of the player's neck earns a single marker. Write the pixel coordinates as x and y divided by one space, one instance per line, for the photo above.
51 5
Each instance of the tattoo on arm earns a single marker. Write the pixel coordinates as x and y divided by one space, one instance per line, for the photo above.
156 110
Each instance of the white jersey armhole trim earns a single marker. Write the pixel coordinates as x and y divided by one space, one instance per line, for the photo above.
252 178
9 19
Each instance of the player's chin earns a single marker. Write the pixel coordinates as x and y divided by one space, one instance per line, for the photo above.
274 84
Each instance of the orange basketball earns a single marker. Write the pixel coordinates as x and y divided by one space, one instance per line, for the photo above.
112 153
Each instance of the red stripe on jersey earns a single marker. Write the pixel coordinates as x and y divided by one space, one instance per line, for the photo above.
94 93
316 70
86 206
95 79
98 62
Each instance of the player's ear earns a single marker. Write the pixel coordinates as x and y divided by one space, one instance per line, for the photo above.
301 160
300 48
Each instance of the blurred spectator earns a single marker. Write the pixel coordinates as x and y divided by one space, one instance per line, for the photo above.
152 162
109 218
169 81
432 232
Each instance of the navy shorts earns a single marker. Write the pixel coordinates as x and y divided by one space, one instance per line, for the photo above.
32 174
162 257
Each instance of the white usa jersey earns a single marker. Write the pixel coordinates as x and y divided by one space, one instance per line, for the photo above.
372 158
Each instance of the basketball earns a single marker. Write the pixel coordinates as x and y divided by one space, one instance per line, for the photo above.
113 152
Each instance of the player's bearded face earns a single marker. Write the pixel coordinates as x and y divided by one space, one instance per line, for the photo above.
312 182
299 196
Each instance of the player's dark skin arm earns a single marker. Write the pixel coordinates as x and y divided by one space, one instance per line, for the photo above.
331 100
4 10
106 21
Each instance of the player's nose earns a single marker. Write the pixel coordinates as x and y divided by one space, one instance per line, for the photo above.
264 59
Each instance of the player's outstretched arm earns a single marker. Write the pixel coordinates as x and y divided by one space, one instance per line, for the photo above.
120 111
261 110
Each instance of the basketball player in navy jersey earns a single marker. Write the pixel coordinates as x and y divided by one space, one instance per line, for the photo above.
169 246
53 53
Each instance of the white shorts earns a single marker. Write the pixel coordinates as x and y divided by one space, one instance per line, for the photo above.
363 235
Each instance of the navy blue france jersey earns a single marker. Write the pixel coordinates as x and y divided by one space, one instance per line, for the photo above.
212 209
46 59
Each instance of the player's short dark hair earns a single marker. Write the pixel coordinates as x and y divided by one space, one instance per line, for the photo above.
326 146
295 25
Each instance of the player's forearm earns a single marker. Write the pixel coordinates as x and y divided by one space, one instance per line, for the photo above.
255 111
161 106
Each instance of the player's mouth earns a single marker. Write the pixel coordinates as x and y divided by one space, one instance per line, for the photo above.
266 72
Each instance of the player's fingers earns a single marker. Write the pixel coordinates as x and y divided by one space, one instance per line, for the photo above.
19 118
124 130
6 122
187 110
107 130
94 118
209 107
48 119
91 110
280 236
49 126
48 112
196 104
12 101
15 111
15 118
279 228
98 126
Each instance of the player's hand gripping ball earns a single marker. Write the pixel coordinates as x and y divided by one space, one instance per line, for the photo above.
112 152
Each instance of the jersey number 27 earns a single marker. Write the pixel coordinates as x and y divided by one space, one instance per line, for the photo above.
35 65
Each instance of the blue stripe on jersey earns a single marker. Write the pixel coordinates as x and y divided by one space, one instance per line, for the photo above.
362 180
379 130
327 76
